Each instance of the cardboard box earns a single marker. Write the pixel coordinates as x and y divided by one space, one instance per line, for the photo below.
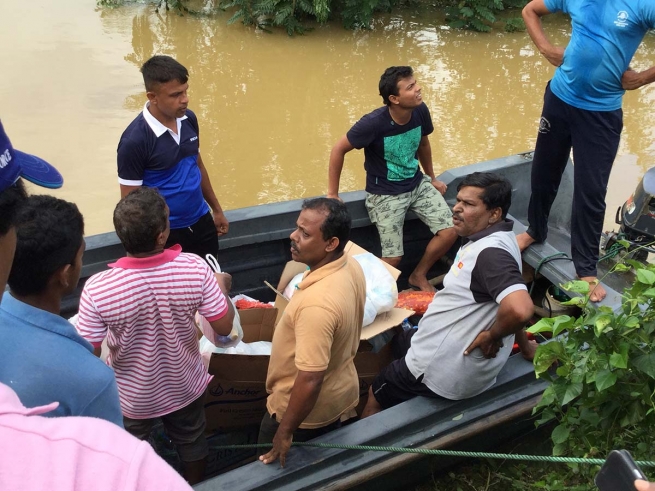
368 365
236 396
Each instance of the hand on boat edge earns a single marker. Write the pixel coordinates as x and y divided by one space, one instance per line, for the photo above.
281 446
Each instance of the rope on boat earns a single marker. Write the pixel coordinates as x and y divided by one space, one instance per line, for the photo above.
444 453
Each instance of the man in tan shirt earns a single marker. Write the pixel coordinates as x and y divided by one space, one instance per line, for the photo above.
312 379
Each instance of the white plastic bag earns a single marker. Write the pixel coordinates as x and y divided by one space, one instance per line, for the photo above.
241 348
381 288
236 334
291 287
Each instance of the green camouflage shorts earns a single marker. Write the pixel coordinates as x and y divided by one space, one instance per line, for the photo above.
388 212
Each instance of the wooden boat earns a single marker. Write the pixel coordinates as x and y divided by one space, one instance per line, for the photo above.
257 249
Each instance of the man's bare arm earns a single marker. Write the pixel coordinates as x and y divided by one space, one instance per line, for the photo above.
339 151
532 14
424 153
632 79
303 397
125 190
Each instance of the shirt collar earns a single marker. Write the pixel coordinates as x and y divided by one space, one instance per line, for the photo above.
166 256
41 319
506 225
156 126
317 275
10 404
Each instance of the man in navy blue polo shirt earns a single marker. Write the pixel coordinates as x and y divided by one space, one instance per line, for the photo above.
160 149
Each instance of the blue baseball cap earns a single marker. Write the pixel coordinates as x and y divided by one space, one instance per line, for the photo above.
15 164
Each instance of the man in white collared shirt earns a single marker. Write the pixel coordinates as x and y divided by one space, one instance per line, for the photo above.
160 149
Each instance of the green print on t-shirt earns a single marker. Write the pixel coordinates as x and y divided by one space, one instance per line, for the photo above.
400 154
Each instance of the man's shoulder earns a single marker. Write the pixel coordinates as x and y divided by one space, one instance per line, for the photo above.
138 131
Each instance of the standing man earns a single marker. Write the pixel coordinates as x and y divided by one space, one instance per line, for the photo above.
467 333
160 149
582 110
311 378
395 139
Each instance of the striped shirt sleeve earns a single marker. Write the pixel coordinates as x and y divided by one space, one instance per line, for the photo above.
89 322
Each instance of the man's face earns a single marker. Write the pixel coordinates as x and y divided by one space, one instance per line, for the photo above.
75 270
7 250
409 93
470 214
307 244
170 98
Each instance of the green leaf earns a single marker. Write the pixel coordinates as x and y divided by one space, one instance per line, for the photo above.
546 355
559 449
621 268
631 322
645 276
572 391
619 360
561 323
605 379
601 323
560 434
543 325
650 293
624 243
577 286
645 364
576 301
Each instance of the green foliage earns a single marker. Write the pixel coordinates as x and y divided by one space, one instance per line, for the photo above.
481 15
294 15
602 389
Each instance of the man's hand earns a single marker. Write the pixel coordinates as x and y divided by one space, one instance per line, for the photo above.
334 196
555 55
439 186
221 223
281 445
488 345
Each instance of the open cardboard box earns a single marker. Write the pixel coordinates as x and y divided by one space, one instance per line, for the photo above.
236 396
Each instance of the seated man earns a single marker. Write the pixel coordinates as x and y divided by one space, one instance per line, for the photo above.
42 358
145 306
312 379
395 140
467 333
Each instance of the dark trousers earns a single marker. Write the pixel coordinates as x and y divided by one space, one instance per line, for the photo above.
200 238
594 137
269 427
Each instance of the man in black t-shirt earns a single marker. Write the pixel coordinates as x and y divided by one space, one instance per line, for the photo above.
395 139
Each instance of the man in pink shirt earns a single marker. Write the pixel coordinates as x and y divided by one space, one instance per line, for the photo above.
145 305
74 453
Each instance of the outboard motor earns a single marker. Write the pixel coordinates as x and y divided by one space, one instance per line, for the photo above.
637 218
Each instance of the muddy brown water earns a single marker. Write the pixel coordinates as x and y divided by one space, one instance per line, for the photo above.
271 107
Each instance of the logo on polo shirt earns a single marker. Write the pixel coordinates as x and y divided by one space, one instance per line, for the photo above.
193 139
621 19
5 158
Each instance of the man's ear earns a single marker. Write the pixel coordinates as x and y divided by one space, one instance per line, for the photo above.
162 238
151 96
393 99
62 276
333 243
496 215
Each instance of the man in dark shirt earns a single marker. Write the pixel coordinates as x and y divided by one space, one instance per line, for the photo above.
395 139
160 149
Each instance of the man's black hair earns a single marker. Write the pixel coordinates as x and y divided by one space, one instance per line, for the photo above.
389 81
49 234
139 218
10 201
162 69
497 190
337 223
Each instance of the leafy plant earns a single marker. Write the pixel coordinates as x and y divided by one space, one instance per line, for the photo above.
602 388
480 15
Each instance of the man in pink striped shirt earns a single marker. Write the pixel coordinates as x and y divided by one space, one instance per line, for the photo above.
145 304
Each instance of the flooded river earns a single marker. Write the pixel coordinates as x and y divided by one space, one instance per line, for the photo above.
271 107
